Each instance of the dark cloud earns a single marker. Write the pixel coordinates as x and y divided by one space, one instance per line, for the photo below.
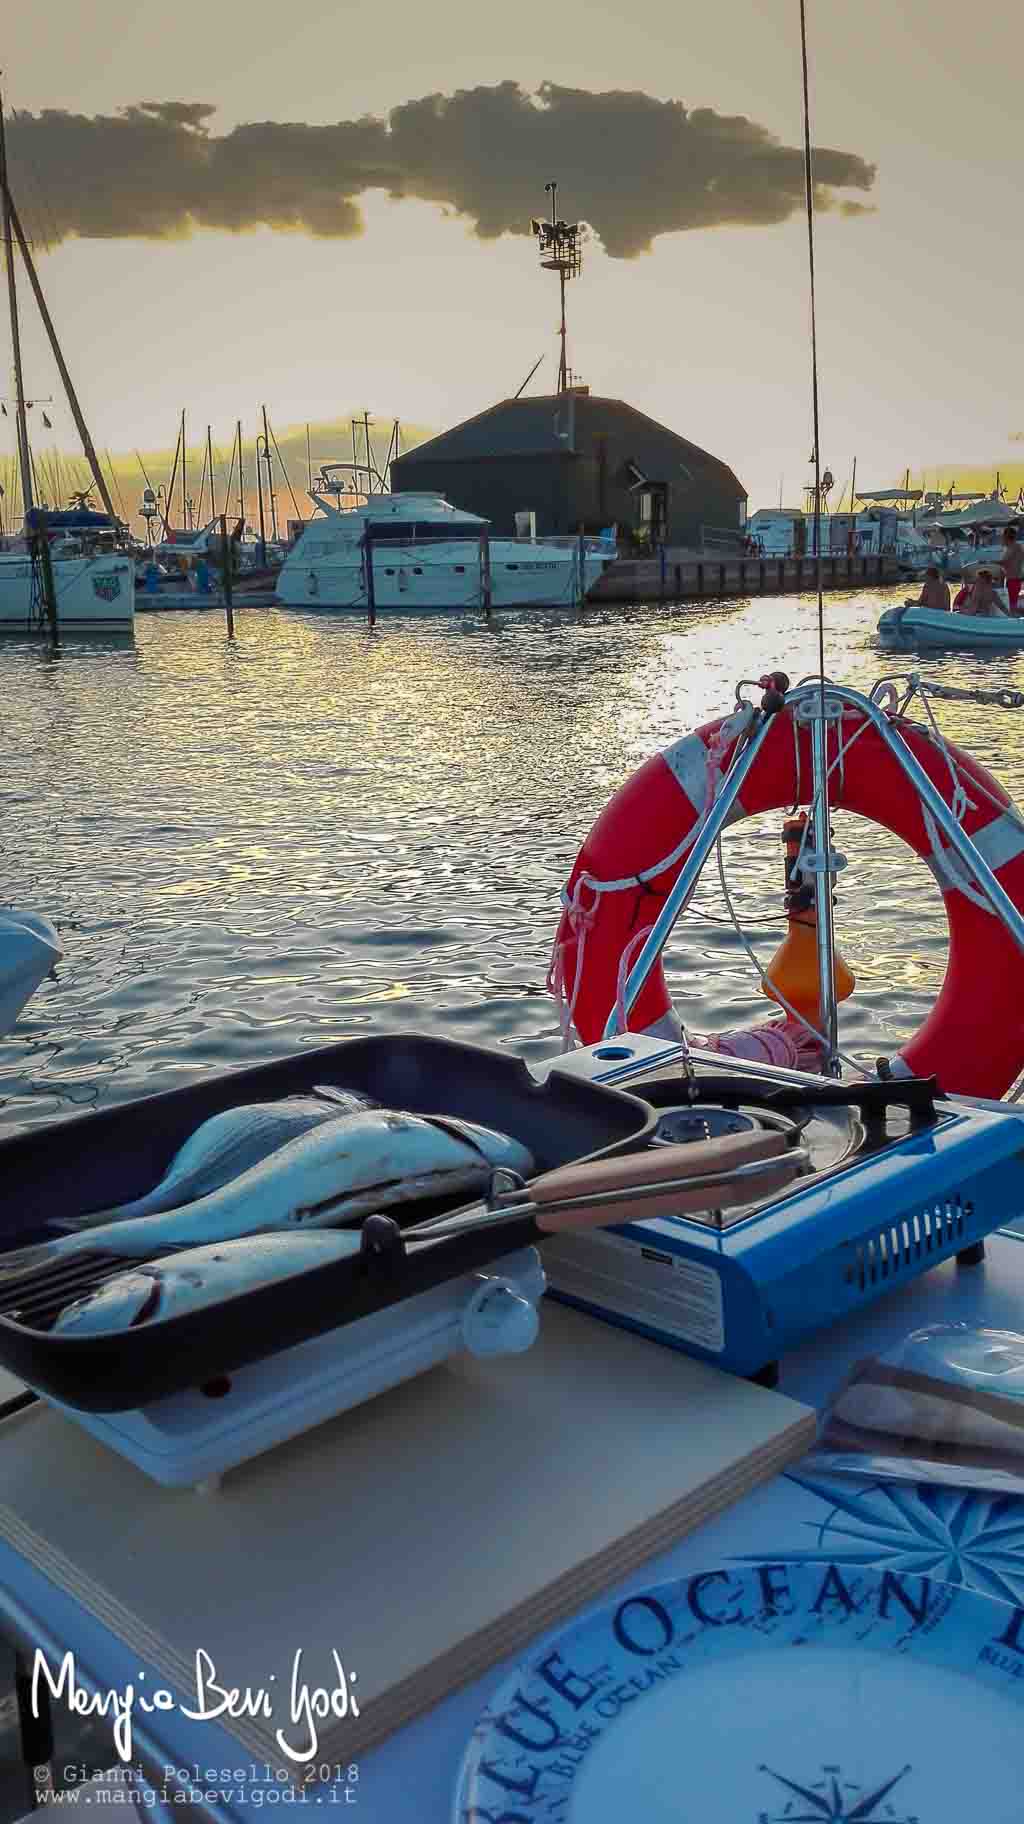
633 166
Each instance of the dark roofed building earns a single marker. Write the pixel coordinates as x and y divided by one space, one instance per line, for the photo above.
574 460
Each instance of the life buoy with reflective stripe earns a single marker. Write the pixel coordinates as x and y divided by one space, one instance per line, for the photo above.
973 1038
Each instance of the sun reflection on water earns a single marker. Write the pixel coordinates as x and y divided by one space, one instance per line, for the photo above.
316 830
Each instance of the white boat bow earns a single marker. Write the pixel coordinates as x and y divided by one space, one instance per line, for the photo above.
29 948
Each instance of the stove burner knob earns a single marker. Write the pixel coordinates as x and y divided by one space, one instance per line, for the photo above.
497 1321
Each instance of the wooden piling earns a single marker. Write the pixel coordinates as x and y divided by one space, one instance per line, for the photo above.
42 554
226 561
371 592
485 570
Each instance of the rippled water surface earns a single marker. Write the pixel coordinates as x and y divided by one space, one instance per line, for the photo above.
312 831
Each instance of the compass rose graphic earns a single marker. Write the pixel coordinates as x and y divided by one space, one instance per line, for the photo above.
833 1800
957 1535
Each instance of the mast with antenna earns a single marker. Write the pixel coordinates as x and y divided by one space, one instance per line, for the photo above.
270 481
560 247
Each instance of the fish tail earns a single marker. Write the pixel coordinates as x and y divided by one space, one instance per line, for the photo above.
96 1219
26 1260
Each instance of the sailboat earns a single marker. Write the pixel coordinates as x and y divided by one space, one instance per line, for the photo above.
86 581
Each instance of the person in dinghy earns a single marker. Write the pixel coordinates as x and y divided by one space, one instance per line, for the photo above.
934 593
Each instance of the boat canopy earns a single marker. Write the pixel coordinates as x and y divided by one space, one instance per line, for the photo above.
70 519
890 493
985 513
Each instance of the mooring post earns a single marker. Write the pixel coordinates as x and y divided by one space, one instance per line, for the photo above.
581 574
225 564
371 593
485 569
42 553
661 555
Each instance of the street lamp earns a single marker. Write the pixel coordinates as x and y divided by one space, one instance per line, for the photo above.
261 457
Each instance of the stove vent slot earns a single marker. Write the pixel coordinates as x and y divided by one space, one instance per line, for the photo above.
935 1230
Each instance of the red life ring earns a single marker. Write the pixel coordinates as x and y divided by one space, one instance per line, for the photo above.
973 1038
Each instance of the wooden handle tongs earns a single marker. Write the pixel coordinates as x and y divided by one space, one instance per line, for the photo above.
665 1181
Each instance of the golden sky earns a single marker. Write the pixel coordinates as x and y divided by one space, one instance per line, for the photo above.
428 308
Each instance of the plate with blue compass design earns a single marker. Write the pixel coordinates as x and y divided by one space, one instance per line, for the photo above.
776 1693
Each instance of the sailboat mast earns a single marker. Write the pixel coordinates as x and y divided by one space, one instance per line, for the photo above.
209 464
270 479
241 480
24 459
88 447
184 465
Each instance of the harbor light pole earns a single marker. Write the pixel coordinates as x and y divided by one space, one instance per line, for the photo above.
559 245
259 493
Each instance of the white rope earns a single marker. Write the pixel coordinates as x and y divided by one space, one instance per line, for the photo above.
950 869
776 993
960 803
713 784
1005 808
581 919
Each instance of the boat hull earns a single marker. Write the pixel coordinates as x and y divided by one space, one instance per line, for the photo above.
29 947
411 585
94 594
950 632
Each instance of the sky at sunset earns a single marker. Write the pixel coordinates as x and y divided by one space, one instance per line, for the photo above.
324 208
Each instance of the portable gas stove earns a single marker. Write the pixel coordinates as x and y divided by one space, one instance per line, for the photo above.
901 1179
189 1439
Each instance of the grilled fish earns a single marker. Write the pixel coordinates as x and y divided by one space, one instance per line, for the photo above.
223 1148
198 1277
342 1171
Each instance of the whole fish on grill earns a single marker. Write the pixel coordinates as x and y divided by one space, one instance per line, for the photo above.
372 1160
198 1277
223 1148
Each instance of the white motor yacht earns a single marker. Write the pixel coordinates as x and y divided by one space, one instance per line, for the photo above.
428 554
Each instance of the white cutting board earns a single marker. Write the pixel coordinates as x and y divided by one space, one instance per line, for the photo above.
423 1536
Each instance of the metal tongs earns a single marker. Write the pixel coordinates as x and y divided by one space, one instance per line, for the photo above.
671 1181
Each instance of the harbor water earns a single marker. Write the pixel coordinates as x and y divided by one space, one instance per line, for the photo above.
315 831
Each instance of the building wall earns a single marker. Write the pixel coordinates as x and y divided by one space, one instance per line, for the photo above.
580 470
497 488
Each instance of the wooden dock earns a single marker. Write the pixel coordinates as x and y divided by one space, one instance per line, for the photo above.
682 576
164 601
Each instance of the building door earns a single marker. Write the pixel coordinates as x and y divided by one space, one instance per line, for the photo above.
652 505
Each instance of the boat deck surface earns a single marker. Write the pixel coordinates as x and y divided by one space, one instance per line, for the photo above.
410 1777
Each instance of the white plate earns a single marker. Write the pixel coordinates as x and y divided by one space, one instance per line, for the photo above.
806 1694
